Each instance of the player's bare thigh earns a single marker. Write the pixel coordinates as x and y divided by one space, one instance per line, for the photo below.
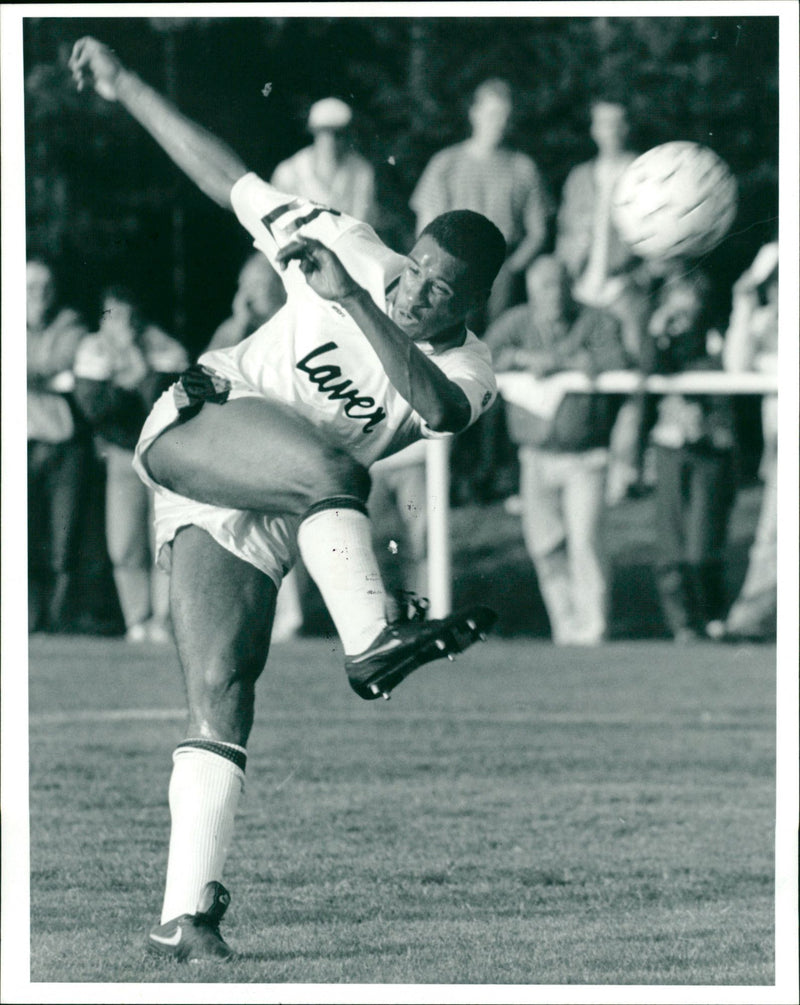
253 453
222 611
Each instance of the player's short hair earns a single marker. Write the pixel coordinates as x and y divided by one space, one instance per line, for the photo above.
474 239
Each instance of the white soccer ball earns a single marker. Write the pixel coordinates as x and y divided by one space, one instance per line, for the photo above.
679 198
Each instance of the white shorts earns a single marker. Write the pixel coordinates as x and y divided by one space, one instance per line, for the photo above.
266 541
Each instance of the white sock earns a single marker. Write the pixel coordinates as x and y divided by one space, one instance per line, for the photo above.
336 545
204 793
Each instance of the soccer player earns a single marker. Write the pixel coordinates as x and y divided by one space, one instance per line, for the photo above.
263 449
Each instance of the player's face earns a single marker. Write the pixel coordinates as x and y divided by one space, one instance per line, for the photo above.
433 294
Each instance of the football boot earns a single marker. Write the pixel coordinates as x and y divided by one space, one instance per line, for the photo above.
195 937
404 646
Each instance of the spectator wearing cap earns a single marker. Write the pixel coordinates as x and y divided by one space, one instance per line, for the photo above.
329 171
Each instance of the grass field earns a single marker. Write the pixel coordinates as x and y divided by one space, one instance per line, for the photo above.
526 815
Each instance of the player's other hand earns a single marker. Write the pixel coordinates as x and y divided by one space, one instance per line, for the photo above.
324 273
95 64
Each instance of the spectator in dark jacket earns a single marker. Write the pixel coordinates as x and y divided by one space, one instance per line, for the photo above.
119 372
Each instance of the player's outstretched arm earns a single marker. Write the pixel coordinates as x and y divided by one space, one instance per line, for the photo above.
205 159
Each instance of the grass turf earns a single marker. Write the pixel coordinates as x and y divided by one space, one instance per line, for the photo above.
527 815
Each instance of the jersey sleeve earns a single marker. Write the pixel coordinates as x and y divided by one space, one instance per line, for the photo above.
470 367
274 219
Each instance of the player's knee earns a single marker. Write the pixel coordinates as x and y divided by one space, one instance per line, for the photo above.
158 463
342 476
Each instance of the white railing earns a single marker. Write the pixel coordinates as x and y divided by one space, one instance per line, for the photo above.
542 396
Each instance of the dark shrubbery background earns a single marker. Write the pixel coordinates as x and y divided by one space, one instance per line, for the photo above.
105 203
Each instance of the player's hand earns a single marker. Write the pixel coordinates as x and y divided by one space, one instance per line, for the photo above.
95 64
324 273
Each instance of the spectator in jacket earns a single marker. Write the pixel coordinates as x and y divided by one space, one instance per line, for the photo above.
563 448
57 451
119 373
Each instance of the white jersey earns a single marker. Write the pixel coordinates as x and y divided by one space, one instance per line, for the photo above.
312 355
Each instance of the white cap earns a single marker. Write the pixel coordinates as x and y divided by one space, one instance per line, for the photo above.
329 113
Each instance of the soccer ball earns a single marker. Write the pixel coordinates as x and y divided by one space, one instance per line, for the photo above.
677 199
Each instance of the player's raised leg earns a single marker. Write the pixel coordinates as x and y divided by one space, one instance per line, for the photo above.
258 454
255 454
222 611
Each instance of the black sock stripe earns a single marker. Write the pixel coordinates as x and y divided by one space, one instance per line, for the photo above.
336 502
238 757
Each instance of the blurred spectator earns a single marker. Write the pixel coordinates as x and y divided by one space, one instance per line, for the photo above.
260 293
586 239
329 171
564 448
119 373
695 458
398 509
482 174
751 343
58 448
